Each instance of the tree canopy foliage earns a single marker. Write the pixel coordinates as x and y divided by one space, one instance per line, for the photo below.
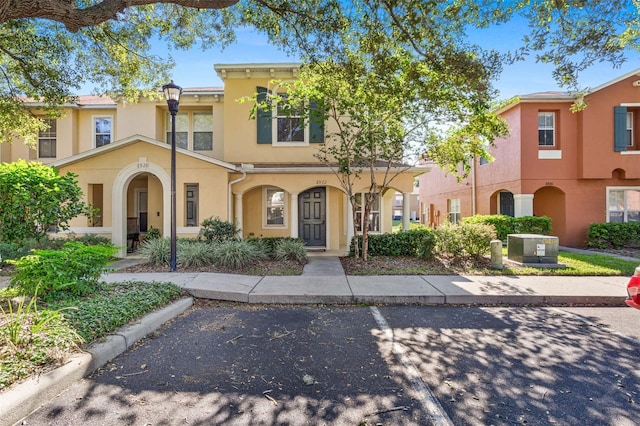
49 48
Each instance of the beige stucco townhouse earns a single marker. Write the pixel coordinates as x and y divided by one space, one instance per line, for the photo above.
260 173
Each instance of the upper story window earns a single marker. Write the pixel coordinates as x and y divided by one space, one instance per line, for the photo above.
281 124
194 130
289 123
102 130
546 128
47 139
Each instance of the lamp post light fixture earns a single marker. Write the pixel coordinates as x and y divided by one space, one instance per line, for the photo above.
172 94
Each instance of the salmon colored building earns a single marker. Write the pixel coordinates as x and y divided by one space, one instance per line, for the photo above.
259 173
577 168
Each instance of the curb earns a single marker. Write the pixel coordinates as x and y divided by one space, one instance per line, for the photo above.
21 400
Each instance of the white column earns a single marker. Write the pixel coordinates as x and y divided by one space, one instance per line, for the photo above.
293 221
349 218
237 214
522 205
406 206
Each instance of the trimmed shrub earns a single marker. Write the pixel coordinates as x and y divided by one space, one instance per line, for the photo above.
74 270
267 245
157 251
505 225
449 240
92 240
290 249
613 235
193 253
216 230
476 238
237 254
415 242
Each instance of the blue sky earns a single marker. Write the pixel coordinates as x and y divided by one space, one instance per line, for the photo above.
195 67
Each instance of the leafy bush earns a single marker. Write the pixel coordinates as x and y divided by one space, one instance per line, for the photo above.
466 239
215 230
290 249
152 234
449 240
75 270
415 242
505 225
237 254
613 235
92 240
33 197
476 238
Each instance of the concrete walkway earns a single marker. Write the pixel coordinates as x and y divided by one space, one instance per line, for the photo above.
323 281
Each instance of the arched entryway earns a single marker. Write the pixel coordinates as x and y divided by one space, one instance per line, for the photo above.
550 201
502 202
132 181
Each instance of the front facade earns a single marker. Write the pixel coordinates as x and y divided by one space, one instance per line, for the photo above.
259 173
577 168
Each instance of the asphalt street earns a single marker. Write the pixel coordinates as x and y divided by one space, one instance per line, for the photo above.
222 363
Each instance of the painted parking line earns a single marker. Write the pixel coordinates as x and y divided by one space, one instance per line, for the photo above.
426 397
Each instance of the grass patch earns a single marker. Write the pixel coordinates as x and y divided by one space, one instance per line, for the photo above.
34 338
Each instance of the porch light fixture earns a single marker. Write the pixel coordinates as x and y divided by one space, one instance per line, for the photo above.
172 94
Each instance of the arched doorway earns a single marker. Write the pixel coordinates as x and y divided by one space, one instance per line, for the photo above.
133 181
550 201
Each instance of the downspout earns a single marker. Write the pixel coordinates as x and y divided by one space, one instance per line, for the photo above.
473 186
230 194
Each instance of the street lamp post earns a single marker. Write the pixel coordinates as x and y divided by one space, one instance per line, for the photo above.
172 94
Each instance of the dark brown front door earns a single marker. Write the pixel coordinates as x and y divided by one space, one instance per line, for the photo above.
312 217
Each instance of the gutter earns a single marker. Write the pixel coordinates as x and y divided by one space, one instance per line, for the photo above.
243 168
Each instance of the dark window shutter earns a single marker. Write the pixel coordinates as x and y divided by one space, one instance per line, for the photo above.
263 118
619 128
316 123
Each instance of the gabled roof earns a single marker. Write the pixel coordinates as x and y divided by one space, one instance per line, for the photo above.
557 96
134 139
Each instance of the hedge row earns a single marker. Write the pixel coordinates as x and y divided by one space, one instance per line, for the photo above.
505 225
415 242
613 235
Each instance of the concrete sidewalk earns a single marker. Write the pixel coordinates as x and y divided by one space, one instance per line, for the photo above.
419 289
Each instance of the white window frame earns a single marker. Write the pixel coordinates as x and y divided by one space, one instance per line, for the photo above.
360 213
190 129
454 208
625 209
265 207
629 128
95 134
552 127
49 138
274 127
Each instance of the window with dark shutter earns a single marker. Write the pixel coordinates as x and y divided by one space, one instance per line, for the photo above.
619 128
316 123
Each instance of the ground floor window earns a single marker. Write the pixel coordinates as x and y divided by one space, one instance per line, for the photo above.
374 214
191 204
95 198
453 205
274 202
623 204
